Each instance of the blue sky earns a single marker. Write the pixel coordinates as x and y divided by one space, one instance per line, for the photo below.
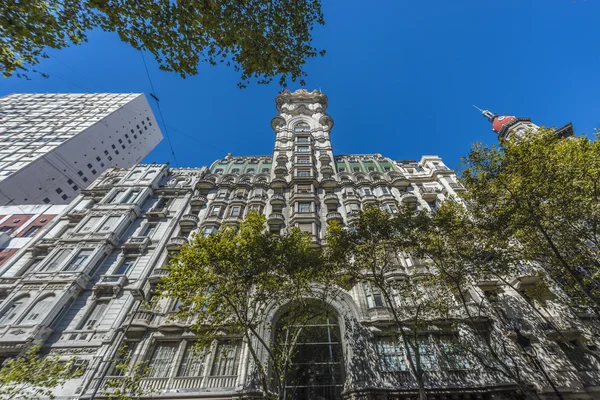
400 75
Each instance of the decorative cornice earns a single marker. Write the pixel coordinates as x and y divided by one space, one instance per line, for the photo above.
300 96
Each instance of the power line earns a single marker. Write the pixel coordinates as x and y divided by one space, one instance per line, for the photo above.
153 94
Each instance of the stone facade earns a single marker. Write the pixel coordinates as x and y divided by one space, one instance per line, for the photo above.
80 287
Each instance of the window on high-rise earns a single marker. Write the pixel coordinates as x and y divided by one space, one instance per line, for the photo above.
58 258
39 310
301 127
16 307
79 261
235 211
193 362
235 171
227 359
162 359
93 316
304 207
373 295
125 266
302 139
302 149
303 172
392 357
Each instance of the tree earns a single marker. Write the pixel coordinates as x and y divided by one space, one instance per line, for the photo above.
261 39
542 191
31 376
437 288
368 253
459 252
233 281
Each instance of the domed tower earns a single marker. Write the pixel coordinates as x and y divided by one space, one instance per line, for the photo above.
507 125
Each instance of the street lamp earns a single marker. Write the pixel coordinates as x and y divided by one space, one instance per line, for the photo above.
525 344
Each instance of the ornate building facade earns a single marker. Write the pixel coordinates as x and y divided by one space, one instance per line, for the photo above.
80 287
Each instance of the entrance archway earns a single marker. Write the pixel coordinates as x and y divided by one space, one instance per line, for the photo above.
317 367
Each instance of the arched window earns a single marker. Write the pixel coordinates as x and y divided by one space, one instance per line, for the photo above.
250 171
11 311
40 309
219 171
317 370
301 127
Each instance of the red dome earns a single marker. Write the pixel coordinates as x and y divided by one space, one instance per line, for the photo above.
499 122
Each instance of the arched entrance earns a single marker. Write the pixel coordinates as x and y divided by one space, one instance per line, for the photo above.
317 364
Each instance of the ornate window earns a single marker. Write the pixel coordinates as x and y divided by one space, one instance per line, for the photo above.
301 127
192 363
77 263
227 359
39 310
373 295
391 355
14 309
162 359
93 317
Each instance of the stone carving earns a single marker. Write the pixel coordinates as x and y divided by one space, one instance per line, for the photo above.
73 350
326 121
18 332
277 122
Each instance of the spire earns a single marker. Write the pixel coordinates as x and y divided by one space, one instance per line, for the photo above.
488 114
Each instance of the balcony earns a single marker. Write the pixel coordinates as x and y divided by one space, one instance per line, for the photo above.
161 212
189 221
334 216
43 245
353 216
205 184
280 170
141 320
110 285
380 314
276 219
409 198
368 199
157 275
400 181
328 182
198 200
305 216
324 157
278 183
350 197
76 215
281 158
208 384
7 285
331 198
136 244
428 193
457 187
176 242
327 170
277 199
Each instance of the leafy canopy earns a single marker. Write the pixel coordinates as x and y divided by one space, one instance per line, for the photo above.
31 376
542 190
229 282
261 39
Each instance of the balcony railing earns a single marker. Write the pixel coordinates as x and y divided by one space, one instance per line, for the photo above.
156 385
176 242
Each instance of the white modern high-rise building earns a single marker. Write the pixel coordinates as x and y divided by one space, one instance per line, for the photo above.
54 145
